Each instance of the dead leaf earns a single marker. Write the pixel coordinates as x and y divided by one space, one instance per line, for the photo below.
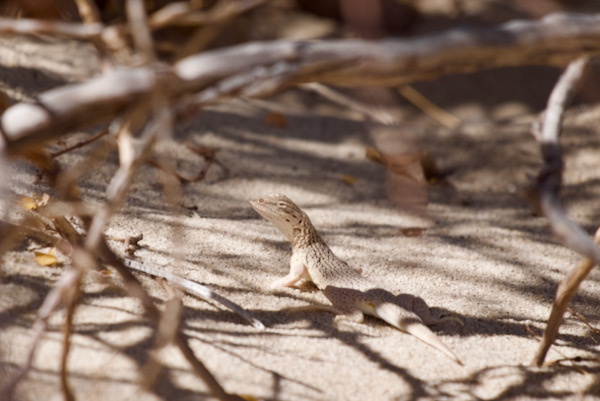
430 169
26 202
46 257
276 119
412 231
32 203
349 179
374 155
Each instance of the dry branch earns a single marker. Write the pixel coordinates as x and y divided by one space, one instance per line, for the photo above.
259 69
138 27
547 187
62 29
67 282
136 289
183 14
73 107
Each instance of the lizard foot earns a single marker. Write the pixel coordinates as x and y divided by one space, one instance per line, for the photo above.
355 317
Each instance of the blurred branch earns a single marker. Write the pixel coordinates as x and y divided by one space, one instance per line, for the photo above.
69 280
183 14
260 69
88 10
546 190
72 30
181 340
156 94
139 29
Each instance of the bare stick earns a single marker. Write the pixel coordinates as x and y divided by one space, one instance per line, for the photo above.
428 107
88 11
63 29
547 187
71 107
370 112
138 27
165 334
219 16
181 13
200 369
136 289
210 157
71 304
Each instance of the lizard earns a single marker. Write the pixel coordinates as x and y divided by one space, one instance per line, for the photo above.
351 295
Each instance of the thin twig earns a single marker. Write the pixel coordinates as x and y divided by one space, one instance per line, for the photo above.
71 301
80 144
210 158
583 320
428 107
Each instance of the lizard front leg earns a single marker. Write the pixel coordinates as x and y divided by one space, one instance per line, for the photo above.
297 271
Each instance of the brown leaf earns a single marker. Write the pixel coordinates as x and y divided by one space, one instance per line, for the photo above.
412 231
276 119
349 179
26 202
430 169
32 203
374 155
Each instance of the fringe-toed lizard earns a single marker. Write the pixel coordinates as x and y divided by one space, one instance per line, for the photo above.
351 295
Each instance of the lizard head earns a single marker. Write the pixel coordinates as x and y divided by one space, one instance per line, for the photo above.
282 212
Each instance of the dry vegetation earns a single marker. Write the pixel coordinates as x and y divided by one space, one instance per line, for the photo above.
161 64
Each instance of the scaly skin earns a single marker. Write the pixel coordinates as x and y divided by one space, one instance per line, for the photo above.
350 294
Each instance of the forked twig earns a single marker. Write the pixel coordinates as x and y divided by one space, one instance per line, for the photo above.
546 190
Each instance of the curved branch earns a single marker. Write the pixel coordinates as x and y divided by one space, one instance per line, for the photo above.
547 187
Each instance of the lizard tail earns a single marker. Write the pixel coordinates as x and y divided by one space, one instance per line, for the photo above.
410 323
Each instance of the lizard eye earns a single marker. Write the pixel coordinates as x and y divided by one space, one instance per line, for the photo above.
281 205
261 200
